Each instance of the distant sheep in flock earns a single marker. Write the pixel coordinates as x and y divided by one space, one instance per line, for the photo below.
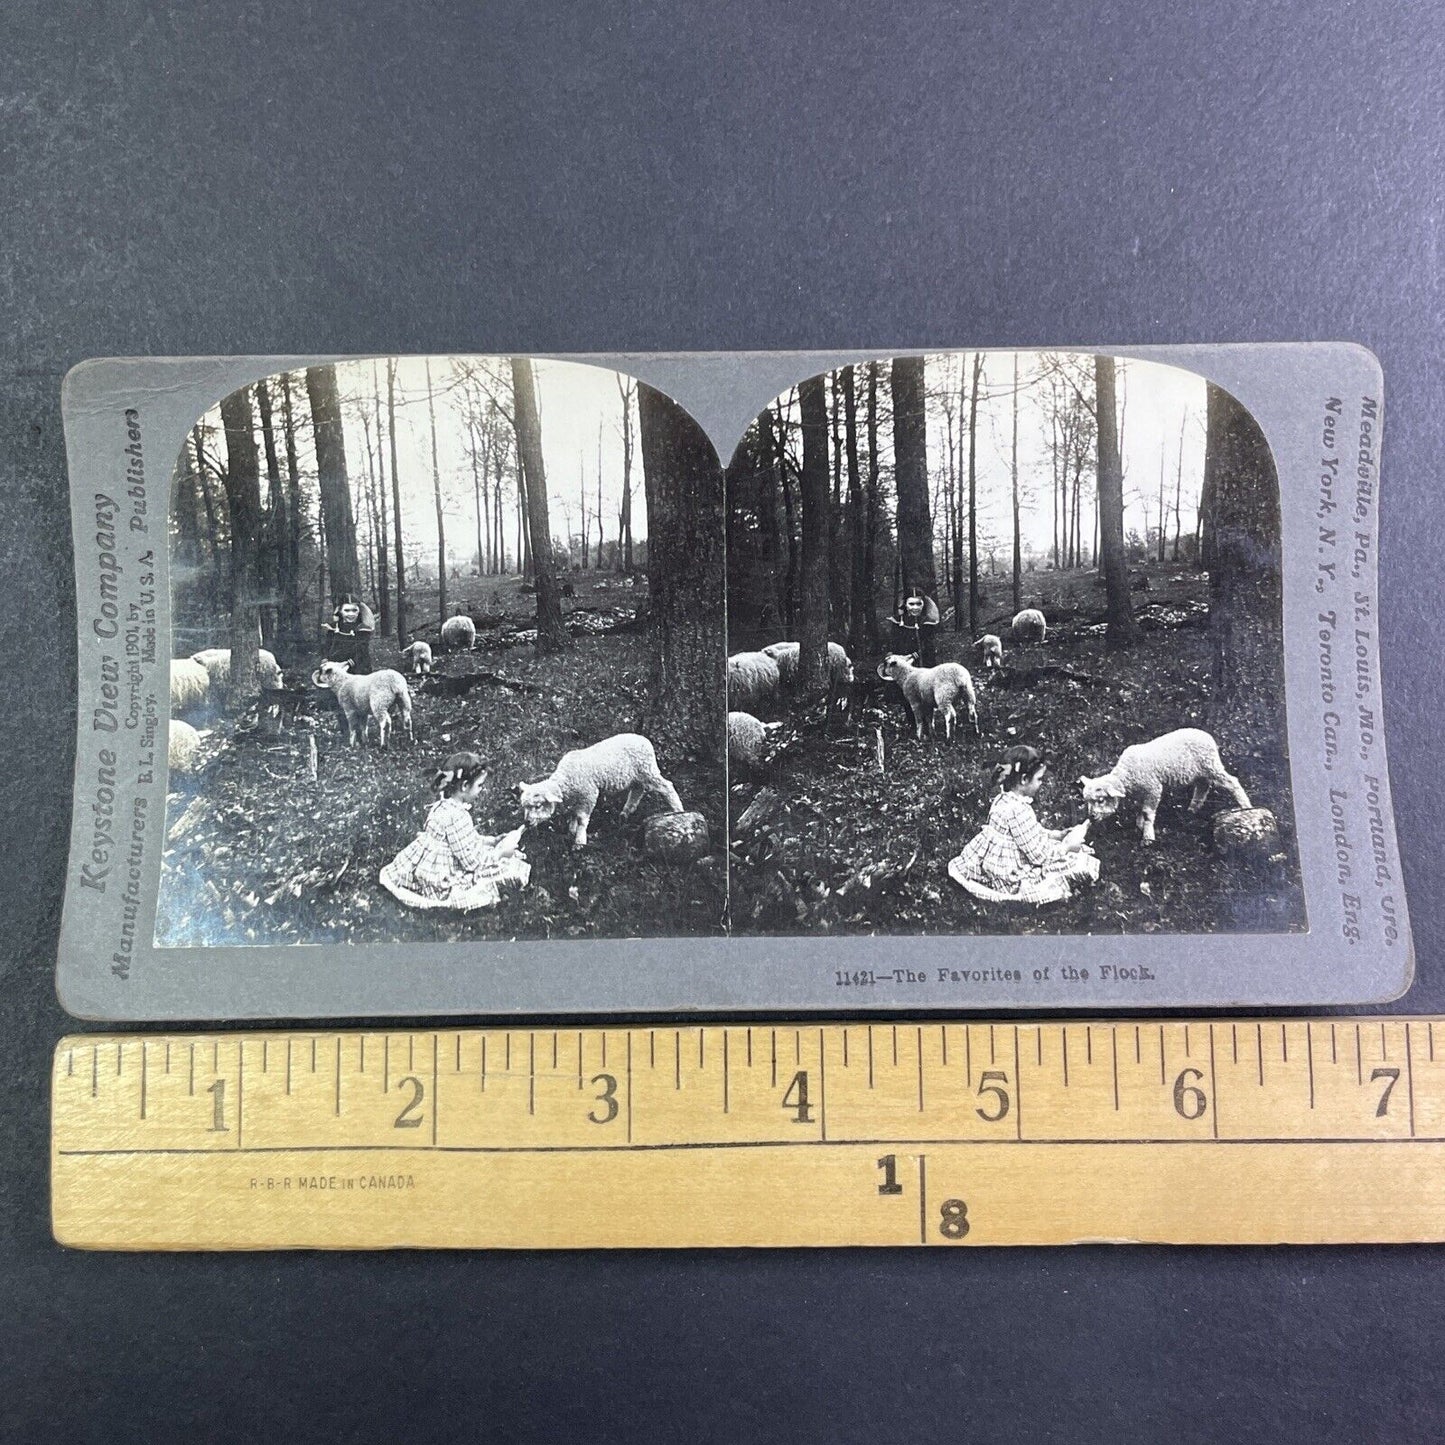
372 694
785 654
418 657
217 662
748 740
753 681
459 634
190 685
1029 626
1184 758
932 691
992 649
183 747
624 763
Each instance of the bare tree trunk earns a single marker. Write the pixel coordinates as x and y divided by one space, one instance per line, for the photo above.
204 502
1059 473
599 497
401 633
342 567
478 492
1247 696
291 624
628 390
443 610
955 513
185 508
1179 487
875 516
383 551
910 465
686 577
973 603
1014 479
837 577
273 549
524 533
791 537
368 495
499 555
322 610
551 634
1163 531
1123 630
813 617
243 499
586 532
859 581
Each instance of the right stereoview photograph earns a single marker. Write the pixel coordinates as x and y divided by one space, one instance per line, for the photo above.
1005 655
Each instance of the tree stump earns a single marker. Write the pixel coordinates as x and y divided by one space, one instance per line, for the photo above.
1250 835
676 837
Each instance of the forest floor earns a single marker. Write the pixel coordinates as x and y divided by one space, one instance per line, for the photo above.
265 855
859 850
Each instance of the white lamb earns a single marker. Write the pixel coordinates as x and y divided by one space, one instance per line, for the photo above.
372 694
785 654
748 740
1186 757
753 681
992 648
1029 626
183 747
459 634
624 763
217 662
931 691
190 685
419 658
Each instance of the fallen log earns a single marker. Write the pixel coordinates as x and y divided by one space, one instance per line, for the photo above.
1007 677
766 806
460 684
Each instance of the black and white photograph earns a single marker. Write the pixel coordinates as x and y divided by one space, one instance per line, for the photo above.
488 664
1006 654
447 657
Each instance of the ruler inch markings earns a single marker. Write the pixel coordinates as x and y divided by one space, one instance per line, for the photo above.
1409 1075
126 1157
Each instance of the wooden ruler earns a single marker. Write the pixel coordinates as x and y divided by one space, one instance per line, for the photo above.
1223 1131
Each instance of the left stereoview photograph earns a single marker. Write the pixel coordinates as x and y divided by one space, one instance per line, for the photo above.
445 660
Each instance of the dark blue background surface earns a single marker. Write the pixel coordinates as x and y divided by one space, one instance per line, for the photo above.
227 177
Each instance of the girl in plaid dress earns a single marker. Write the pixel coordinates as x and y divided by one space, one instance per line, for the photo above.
1014 857
449 864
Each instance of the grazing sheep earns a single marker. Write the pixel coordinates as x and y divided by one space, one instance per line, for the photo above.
190 685
1183 758
418 656
624 763
930 691
459 634
753 681
217 662
183 747
992 648
785 654
748 740
1029 626
372 694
